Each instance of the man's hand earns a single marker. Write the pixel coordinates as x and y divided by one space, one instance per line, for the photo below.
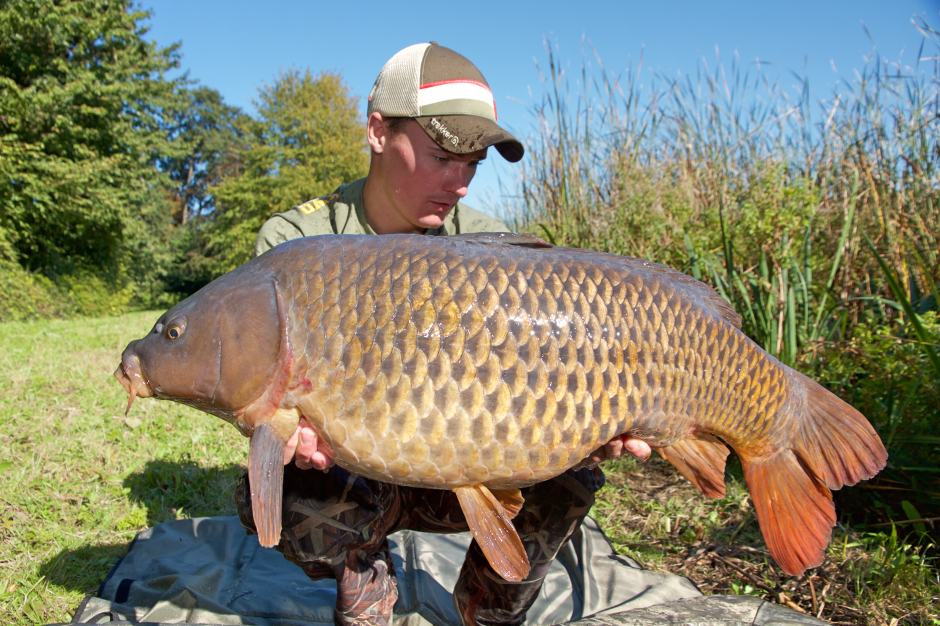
615 448
307 450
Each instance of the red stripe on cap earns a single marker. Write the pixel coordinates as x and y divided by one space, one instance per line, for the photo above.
455 81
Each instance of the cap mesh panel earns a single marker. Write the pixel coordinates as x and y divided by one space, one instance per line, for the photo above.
395 93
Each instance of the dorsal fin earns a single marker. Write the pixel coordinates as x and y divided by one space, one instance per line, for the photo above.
524 240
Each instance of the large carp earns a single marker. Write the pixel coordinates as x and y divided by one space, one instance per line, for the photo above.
484 363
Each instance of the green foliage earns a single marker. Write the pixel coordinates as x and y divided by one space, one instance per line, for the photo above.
203 133
79 95
25 295
306 141
886 369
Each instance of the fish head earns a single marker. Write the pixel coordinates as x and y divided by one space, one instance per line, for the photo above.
217 351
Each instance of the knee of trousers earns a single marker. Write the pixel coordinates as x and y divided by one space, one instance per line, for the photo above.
327 515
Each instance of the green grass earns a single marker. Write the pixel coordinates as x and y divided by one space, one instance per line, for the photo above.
78 479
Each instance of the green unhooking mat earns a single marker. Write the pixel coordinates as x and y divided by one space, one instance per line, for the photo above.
209 571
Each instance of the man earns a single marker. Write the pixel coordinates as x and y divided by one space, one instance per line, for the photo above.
431 119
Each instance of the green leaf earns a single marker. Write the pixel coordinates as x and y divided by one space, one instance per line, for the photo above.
5 465
913 514
902 299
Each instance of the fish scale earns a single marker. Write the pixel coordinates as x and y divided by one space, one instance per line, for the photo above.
481 362
393 343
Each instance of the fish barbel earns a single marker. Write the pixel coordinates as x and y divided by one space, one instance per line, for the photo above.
484 363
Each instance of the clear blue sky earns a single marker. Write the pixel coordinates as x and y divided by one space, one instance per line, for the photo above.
236 46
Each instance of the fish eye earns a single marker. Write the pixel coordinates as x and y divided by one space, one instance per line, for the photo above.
174 330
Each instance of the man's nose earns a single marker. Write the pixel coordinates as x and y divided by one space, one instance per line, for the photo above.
458 179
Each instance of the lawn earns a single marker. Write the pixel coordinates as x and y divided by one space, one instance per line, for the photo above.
79 479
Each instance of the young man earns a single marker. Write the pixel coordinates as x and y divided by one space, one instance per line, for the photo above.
431 121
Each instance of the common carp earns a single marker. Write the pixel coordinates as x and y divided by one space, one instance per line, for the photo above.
484 363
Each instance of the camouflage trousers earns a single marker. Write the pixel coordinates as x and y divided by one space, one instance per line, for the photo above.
336 524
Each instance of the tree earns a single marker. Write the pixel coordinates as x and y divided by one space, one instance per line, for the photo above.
80 99
306 141
204 133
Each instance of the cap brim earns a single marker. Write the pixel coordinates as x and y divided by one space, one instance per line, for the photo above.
463 134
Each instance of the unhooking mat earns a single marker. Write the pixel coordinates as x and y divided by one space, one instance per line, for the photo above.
209 571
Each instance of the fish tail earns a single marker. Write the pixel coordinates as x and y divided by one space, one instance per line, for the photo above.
834 446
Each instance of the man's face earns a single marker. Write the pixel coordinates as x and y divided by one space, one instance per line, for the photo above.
422 181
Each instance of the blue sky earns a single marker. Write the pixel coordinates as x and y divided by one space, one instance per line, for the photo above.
235 46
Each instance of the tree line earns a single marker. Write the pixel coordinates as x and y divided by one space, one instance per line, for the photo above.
124 184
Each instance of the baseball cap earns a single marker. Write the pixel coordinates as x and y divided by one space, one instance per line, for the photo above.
448 97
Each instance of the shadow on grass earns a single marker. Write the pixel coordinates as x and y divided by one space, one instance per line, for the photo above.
82 569
163 490
169 490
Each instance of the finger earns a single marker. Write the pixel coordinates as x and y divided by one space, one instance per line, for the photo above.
614 448
291 446
638 448
322 459
307 448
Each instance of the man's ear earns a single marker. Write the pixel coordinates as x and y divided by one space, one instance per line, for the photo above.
376 132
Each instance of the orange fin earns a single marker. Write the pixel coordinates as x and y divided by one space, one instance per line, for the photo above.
794 509
834 439
511 499
701 459
266 477
491 527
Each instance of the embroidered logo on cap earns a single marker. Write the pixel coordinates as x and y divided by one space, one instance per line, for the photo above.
451 137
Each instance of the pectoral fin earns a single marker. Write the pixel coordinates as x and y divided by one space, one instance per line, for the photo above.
701 459
491 526
266 477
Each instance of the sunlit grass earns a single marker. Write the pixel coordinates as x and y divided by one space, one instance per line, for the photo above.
79 479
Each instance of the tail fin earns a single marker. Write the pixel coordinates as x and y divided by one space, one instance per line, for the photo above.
833 446
835 440
794 509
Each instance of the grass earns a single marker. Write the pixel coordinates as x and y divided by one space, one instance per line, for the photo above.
871 578
78 479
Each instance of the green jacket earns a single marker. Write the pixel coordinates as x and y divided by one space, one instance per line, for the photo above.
342 213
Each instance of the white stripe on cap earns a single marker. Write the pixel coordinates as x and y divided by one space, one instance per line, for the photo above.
434 93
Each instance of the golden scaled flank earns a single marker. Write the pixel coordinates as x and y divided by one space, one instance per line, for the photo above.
452 370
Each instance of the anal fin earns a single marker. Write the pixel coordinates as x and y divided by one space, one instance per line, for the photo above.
492 527
266 477
700 458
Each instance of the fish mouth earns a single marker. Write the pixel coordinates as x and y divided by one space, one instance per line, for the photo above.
129 374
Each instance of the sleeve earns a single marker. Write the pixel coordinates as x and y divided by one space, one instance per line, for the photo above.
275 231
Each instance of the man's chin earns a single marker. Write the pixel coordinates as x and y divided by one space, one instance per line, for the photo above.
434 220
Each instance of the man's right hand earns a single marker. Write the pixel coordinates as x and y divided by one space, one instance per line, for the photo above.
307 450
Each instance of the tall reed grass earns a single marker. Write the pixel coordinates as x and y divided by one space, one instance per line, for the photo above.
813 215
